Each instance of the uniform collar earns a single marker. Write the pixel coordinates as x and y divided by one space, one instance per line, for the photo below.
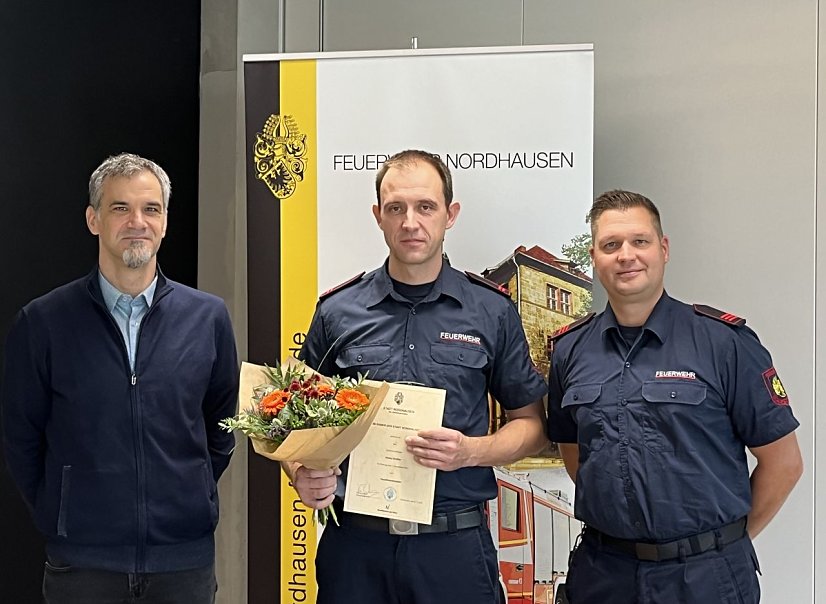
448 283
659 321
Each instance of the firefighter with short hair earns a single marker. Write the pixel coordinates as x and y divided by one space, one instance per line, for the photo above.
416 319
654 403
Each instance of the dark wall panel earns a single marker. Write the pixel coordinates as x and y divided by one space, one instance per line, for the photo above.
81 81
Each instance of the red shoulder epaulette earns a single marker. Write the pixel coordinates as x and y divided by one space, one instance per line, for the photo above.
480 280
342 286
571 326
725 317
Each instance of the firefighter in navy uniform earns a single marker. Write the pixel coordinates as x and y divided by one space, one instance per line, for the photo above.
653 403
416 319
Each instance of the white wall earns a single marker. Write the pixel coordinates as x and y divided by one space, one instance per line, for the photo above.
710 108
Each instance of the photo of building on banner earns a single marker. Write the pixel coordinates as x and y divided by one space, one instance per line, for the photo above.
520 150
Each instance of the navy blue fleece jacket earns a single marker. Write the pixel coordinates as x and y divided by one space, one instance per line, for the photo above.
120 467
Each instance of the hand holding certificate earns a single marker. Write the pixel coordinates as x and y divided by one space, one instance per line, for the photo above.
384 479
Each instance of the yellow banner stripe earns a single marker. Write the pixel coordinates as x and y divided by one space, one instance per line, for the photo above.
299 292
299 212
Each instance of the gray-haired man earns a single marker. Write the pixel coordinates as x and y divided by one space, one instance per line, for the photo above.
113 388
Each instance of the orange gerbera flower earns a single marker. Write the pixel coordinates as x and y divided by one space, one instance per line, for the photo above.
275 401
352 400
325 390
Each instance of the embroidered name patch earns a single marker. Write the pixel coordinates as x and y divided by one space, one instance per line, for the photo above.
460 337
775 387
681 375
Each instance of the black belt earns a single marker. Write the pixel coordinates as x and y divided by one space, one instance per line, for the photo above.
671 550
447 522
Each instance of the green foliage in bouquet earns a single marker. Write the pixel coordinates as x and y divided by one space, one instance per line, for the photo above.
296 399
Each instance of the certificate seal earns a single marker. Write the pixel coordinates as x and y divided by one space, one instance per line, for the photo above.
390 494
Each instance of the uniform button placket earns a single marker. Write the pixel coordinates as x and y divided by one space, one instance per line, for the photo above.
622 431
625 441
408 361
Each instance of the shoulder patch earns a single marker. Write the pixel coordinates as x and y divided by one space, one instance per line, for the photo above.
571 326
341 286
775 387
725 317
480 280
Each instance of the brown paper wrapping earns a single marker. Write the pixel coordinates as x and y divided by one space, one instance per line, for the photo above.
316 448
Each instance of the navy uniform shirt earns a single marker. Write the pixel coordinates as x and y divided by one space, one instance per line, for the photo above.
463 337
662 425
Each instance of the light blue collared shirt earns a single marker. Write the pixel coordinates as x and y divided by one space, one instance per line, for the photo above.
127 311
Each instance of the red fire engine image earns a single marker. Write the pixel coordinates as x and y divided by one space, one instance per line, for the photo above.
534 531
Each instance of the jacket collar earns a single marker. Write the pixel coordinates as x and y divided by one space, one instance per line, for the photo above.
163 287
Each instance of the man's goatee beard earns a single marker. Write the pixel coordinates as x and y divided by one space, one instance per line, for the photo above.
136 255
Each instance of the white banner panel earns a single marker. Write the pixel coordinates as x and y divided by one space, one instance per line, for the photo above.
515 127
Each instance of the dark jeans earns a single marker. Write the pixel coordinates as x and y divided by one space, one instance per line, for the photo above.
69 585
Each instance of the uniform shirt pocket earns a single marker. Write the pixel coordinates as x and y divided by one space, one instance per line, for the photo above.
462 371
366 355
581 401
672 406
679 393
454 354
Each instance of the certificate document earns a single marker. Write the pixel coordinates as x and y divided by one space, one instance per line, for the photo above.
383 479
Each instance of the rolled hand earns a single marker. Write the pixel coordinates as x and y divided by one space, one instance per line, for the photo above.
316 488
442 448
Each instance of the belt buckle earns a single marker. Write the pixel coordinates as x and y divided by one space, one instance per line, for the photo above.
403 527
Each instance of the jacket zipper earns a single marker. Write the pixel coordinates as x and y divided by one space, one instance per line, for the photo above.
143 529
137 428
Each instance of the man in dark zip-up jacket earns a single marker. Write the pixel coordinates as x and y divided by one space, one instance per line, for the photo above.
113 388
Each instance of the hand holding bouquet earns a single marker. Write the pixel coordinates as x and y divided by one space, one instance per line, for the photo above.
297 415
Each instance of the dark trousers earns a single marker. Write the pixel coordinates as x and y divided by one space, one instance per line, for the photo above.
69 585
599 575
361 565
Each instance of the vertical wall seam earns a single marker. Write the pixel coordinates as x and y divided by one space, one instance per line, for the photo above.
282 26
320 25
816 309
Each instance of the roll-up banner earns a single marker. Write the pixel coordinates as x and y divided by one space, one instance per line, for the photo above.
514 125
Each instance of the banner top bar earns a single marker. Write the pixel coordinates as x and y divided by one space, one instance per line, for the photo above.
418 52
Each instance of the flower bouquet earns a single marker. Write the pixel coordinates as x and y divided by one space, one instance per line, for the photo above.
291 413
